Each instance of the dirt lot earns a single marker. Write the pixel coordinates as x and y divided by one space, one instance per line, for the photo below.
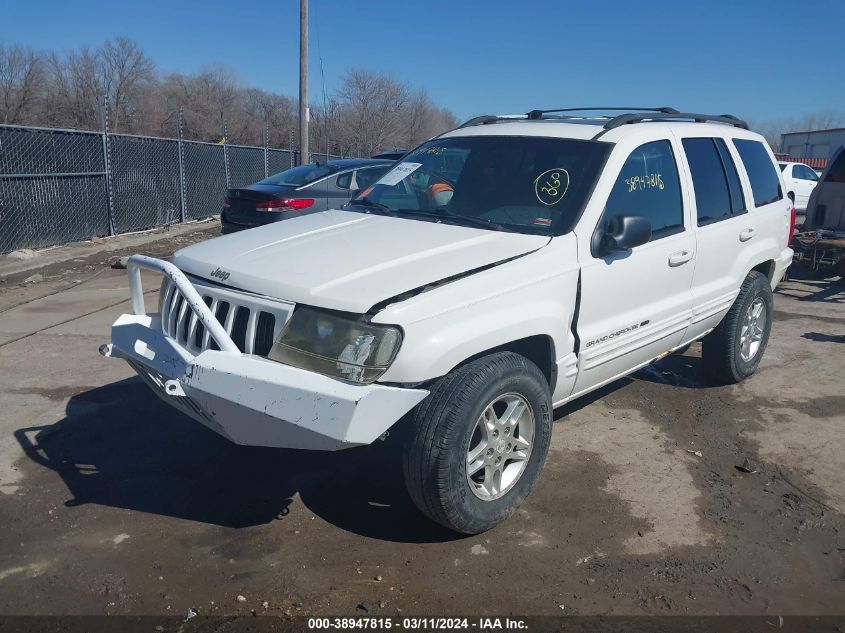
111 502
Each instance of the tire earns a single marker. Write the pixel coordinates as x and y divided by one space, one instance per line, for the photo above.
447 424
726 360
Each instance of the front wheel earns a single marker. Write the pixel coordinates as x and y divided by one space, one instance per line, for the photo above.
733 350
478 442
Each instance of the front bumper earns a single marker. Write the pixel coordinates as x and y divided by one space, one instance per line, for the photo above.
246 398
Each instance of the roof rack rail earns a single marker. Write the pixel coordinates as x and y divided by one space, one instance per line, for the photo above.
538 114
631 115
490 118
624 119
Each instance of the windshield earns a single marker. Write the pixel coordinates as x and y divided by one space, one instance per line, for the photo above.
299 176
518 183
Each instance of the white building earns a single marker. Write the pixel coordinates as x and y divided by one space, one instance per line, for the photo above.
815 144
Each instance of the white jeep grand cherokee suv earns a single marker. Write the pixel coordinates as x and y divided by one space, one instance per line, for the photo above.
497 272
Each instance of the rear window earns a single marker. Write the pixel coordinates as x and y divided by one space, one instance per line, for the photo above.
836 173
299 176
765 184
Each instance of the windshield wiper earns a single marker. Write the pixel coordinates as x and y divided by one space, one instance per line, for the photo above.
486 224
378 207
422 213
453 218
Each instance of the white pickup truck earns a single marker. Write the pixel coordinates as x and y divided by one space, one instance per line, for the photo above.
499 271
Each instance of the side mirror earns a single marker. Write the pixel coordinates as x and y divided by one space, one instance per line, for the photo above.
624 232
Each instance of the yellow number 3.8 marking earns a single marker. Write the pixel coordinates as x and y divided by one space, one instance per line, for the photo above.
551 186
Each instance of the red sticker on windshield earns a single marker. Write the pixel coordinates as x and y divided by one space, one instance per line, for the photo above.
543 221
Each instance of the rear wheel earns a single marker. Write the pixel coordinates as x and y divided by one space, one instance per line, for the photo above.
478 442
734 349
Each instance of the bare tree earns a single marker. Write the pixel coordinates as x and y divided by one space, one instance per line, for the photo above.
74 87
21 78
372 106
375 112
424 120
259 108
207 99
124 70
369 112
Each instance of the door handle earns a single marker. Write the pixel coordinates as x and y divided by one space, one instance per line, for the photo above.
681 257
747 234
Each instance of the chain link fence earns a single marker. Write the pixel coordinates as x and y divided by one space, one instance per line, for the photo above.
59 186
52 187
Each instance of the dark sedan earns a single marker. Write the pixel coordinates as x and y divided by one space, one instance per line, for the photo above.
299 191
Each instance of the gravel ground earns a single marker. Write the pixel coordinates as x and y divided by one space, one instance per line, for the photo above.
111 502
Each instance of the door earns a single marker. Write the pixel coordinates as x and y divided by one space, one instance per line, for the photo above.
338 191
723 227
636 305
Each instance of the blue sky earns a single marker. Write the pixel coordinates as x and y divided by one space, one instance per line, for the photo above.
757 59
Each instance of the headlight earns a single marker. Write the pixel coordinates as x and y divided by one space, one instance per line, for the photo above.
336 345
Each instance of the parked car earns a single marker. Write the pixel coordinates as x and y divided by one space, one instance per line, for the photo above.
392 154
800 180
826 207
299 191
559 255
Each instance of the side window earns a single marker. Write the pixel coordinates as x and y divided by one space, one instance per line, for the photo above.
343 180
712 198
366 177
648 186
737 197
765 185
806 173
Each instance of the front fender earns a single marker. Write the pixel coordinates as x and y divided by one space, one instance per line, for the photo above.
530 296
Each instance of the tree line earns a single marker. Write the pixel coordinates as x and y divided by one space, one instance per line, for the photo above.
367 113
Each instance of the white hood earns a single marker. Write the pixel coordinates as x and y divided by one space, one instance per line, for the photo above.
348 261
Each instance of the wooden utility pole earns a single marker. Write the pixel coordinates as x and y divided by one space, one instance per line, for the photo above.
303 83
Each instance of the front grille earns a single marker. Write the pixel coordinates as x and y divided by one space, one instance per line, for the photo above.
251 321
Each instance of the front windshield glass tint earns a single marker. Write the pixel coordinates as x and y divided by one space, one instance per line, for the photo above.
299 176
522 183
